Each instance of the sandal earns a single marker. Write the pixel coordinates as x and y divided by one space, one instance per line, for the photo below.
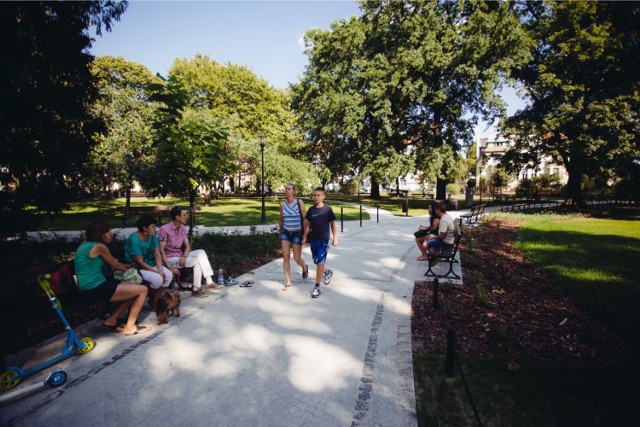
247 284
305 272
286 287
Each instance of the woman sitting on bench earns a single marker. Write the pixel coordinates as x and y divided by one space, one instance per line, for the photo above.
91 256
424 232
143 250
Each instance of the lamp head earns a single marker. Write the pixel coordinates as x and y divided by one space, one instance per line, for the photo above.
261 141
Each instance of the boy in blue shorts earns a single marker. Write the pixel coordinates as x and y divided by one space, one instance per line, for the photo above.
319 219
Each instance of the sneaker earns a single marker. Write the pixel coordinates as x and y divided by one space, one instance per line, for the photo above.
230 281
214 286
316 292
305 272
200 293
327 276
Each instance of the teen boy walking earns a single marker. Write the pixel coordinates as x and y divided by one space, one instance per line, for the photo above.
318 220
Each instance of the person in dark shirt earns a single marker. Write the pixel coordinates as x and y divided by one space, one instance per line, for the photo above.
319 222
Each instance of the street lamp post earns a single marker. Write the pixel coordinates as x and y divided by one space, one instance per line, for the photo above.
479 162
264 216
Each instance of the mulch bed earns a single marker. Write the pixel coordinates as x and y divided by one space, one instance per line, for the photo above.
520 313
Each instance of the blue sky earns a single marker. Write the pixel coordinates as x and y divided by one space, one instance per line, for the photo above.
264 35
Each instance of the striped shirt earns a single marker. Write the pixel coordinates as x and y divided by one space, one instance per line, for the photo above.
291 215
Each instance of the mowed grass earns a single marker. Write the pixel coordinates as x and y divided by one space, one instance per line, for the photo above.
222 213
597 260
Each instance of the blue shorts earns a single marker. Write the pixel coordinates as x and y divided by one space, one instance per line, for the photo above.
319 249
294 237
438 243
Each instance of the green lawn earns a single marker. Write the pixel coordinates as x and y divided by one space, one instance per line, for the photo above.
594 259
223 212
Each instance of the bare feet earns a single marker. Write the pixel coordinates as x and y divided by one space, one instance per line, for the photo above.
138 330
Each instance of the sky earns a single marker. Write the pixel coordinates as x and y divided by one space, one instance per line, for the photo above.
266 36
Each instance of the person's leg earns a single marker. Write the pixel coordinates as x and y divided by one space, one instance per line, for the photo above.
168 277
155 282
132 297
286 260
296 243
199 261
420 242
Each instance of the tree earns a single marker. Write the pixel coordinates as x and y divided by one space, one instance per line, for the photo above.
128 114
191 145
583 81
247 104
46 91
407 74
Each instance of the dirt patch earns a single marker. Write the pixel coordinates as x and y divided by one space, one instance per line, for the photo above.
507 308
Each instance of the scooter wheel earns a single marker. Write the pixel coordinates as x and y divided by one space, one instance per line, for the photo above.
9 379
89 344
56 378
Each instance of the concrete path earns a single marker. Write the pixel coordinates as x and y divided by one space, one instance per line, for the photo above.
255 356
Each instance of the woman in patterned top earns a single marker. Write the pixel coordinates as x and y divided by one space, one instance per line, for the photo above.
291 224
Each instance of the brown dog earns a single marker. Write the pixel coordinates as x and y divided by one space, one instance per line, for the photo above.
168 305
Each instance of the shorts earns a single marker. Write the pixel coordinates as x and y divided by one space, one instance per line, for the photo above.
421 233
294 237
101 293
319 249
438 243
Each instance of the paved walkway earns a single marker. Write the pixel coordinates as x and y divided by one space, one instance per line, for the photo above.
255 356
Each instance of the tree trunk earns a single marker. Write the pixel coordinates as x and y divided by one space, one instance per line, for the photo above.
127 193
397 186
575 169
375 189
441 189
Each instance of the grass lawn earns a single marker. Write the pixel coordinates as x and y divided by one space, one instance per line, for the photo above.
221 213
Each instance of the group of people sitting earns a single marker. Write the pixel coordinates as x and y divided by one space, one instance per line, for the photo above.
440 232
157 253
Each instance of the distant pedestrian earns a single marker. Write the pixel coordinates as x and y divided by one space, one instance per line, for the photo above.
291 224
320 219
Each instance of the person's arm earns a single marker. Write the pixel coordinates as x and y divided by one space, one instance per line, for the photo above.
185 254
307 229
333 231
165 259
281 222
159 268
101 250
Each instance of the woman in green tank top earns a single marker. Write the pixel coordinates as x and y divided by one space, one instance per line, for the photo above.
91 256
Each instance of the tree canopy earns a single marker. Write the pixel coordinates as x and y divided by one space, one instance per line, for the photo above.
407 77
46 90
584 84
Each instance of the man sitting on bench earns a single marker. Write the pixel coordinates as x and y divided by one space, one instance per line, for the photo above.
446 231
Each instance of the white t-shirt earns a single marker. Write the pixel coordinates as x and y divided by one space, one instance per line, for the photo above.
448 228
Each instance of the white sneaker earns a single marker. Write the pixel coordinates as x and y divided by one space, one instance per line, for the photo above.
327 276
316 292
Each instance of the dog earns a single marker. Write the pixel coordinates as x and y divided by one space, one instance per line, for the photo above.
168 305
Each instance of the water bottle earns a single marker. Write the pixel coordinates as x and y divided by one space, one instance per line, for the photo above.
220 276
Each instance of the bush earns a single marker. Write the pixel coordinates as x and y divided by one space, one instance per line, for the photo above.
351 187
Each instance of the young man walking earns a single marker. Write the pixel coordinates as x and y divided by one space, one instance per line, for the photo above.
320 224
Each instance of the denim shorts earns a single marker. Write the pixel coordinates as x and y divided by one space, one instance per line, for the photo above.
294 237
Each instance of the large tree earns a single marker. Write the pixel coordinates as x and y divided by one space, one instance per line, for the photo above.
584 85
407 73
46 90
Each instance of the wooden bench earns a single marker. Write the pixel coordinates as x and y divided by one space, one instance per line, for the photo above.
445 254
157 212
